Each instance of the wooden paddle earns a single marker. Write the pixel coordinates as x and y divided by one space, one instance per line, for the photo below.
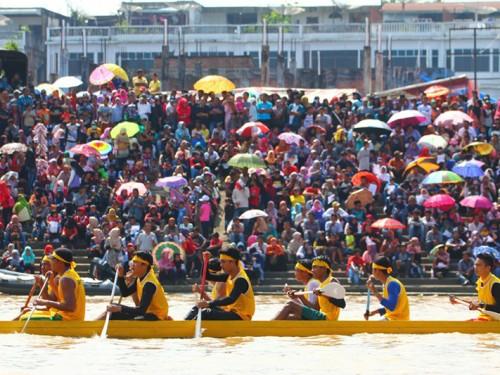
492 314
367 312
332 290
33 308
108 314
197 330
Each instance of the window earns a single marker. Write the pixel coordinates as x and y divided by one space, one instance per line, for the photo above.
464 60
241 18
408 58
435 58
496 56
312 20
339 59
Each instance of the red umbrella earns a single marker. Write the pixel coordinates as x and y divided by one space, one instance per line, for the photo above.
311 191
442 201
370 177
407 118
318 128
388 223
477 201
85 149
251 129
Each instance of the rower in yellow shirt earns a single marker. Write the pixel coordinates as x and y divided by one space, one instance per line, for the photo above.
151 300
393 298
487 286
238 302
66 299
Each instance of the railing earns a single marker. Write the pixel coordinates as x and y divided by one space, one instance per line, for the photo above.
357 28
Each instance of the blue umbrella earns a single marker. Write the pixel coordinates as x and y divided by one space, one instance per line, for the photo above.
468 169
486 250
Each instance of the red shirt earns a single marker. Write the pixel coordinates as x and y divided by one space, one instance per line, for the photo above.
189 246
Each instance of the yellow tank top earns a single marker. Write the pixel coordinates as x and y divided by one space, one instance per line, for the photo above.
79 312
244 306
331 311
402 310
484 292
218 287
159 304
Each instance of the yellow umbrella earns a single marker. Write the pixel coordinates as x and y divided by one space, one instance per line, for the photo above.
130 127
215 84
362 195
423 165
49 88
481 148
118 71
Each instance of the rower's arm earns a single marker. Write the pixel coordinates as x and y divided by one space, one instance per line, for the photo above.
495 290
126 290
217 277
68 302
393 290
240 287
147 296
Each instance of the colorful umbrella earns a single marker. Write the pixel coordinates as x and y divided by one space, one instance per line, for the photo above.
170 247
422 165
103 147
291 138
84 149
68 82
10 148
370 177
442 201
49 89
452 118
214 83
174 182
436 91
246 161
371 126
476 201
252 214
130 186
432 142
362 195
317 128
252 129
407 118
388 223
481 148
130 127
486 250
442 177
101 75
117 70
468 169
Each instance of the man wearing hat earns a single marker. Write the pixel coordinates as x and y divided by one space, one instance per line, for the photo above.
152 303
68 302
239 302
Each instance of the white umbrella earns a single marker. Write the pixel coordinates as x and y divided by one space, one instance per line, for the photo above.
252 214
81 94
10 148
68 82
432 141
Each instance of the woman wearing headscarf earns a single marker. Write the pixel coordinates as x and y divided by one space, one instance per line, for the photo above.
29 258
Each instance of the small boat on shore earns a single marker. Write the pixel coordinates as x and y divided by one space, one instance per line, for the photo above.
221 329
17 283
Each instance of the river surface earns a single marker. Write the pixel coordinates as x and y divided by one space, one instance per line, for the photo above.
358 354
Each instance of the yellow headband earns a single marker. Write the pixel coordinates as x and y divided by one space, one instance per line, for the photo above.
61 259
321 263
379 267
46 258
137 259
226 257
300 267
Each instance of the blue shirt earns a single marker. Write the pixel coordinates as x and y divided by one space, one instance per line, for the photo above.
264 106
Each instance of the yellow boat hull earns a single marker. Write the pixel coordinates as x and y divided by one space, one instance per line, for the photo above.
185 329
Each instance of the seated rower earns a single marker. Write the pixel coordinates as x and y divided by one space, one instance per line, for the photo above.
238 302
65 299
393 299
218 287
488 288
293 308
151 301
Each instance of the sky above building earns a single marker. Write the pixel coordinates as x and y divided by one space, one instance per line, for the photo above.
108 7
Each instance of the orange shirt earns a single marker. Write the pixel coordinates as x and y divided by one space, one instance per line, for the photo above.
275 250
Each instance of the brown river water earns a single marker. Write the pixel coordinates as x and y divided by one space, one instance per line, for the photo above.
358 354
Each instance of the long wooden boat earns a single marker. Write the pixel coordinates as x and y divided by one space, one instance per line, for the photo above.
185 329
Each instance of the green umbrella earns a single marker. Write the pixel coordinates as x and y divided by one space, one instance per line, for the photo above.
168 246
246 161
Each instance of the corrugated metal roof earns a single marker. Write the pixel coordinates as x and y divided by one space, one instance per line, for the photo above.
479 7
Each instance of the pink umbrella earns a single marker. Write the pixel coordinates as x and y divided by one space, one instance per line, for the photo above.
130 186
452 118
101 75
442 201
85 149
476 201
290 138
251 129
407 118
171 182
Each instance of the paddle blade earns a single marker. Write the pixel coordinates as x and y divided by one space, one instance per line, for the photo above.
333 290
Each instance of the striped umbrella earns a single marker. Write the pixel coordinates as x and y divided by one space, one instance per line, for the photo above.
103 147
170 247
442 177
